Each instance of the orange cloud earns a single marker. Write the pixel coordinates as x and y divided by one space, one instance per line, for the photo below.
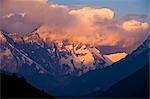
133 25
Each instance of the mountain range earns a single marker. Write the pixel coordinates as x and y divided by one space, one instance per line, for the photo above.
64 68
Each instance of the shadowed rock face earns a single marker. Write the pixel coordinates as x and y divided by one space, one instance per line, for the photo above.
134 86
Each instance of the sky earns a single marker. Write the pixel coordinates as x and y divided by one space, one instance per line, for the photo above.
122 7
101 21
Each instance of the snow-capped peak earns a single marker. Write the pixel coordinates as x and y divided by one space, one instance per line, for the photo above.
56 57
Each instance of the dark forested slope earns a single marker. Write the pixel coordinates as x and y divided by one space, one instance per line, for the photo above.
14 87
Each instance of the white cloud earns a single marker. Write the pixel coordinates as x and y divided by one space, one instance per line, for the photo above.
91 13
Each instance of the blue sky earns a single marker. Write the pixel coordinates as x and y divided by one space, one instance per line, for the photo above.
121 7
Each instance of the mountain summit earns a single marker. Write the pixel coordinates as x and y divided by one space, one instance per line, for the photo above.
29 54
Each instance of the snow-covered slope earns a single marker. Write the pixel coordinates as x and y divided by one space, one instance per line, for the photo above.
116 57
10 50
